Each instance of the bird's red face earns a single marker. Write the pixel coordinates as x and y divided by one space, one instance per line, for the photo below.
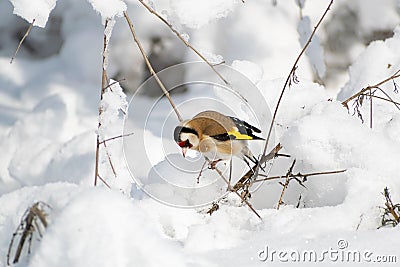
184 145
182 135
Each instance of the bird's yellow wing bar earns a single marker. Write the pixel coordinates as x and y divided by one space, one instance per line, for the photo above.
240 136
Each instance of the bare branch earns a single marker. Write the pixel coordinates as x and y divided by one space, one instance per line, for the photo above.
298 175
230 188
104 83
152 72
285 185
289 78
265 158
116 137
22 40
366 89
109 160
396 104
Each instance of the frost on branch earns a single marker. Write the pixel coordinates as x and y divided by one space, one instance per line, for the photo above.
113 108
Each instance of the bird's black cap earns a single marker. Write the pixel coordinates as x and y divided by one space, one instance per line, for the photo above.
181 129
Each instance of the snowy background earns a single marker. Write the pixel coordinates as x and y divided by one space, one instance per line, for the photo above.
49 101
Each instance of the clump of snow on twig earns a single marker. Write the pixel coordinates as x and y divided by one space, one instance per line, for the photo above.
108 9
113 108
38 10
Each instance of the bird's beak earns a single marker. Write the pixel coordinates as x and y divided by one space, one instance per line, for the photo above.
184 149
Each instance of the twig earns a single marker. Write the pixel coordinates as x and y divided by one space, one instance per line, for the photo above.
368 88
104 82
390 99
390 206
370 108
298 175
201 172
104 182
230 188
247 177
289 77
116 137
396 104
115 82
152 72
212 66
26 229
285 185
110 161
22 40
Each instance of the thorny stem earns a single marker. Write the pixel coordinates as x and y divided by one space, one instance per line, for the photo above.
152 72
22 40
183 39
297 175
291 73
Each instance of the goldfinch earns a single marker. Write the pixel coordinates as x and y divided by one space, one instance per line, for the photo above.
216 136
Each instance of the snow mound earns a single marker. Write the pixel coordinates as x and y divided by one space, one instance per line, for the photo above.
83 228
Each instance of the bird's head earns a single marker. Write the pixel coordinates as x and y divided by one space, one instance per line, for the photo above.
186 137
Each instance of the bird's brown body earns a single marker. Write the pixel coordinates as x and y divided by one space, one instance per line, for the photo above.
216 136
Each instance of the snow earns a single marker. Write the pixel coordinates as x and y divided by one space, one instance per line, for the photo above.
314 51
155 212
38 10
195 14
108 9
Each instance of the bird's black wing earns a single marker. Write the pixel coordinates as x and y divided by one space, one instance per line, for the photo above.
246 129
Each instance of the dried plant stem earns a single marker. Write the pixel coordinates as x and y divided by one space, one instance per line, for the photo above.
22 40
370 108
116 137
152 72
306 175
247 177
104 181
285 185
109 160
289 77
230 188
183 40
104 84
396 104
370 87
28 225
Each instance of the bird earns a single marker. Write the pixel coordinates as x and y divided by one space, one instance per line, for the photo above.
217 136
